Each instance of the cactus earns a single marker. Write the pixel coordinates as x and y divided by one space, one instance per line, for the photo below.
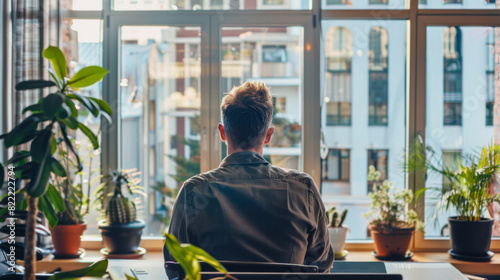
117 208
333 216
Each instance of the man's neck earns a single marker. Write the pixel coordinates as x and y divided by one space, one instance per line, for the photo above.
232 150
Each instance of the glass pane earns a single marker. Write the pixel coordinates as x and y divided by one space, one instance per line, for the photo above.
160 114
211 4
273 56
363 112
457 4
82 46
364 4
460 99
82 5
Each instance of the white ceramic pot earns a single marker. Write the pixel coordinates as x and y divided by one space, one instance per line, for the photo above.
337 237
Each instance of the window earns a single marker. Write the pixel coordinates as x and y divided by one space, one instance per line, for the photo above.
338 2
452 43
356 57
196 5
279 103
274 54
450 161
378 2
338 76
378 76
380 160
458 4
337 167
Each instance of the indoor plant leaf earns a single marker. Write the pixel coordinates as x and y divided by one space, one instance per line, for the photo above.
40 146
45 206
93 139
97 269
103 105
55 198
87 76
56 57
34 84
85 102
38 184
57 167
35 108
52 103
22 130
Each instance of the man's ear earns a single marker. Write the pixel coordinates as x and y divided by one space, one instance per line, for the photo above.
269 135
222 133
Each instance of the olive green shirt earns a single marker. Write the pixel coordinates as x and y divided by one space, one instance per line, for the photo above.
250 210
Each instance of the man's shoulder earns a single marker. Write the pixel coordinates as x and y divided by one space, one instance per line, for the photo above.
292 174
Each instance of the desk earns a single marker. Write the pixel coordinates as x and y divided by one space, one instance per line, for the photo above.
410 271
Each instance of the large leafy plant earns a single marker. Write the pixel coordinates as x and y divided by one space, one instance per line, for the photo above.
467 190
188 256
390 206
39 137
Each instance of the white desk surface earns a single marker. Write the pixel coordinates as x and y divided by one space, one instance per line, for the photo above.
409 270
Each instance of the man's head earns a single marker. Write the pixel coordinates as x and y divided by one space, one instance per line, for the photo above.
247 113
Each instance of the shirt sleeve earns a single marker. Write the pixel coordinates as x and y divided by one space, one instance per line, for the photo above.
319 249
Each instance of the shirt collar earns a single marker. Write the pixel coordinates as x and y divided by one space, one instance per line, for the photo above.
243 158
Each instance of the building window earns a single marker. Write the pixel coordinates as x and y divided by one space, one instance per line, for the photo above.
337 2
378 2
450 162
274 54
338 76
452 41
337 166
453 1
490 76
279 103
378 78
379 159
274 2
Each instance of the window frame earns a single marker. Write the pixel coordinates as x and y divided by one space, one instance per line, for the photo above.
211 21
326 178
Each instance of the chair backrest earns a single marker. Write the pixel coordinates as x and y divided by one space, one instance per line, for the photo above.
174 269
304 276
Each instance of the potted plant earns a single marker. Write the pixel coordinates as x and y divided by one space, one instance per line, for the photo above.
338 231
120 230
391 223
40 135
66 236
467 192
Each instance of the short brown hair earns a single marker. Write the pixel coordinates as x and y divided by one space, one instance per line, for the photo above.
247 113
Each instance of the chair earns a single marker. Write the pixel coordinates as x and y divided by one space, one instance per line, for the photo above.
174 269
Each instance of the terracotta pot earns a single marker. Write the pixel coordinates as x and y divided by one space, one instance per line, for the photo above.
67 239
337 238
391 242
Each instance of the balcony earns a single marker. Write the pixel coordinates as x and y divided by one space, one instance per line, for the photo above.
273 70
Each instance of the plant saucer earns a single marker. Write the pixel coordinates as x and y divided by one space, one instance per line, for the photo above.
138 254
406 257
341 255
484 258
81 253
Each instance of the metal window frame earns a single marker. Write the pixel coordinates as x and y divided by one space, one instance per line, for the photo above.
417 19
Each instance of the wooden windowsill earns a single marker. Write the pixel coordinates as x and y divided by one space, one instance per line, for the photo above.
475 268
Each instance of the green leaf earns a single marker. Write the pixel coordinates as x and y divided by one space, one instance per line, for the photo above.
130 277
204 256
25 129
103 105
93 139
56 57
53 144
35 108
64 111
58 81
40 147
52 103
38 184
71 148
18 156
85 102
45 206
97 269
55 198
57 167
72 107
26 170
34 84
71 122
87 76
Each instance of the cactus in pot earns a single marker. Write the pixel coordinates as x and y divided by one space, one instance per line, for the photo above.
338 231
120 230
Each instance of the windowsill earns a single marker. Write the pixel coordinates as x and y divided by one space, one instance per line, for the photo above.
474 268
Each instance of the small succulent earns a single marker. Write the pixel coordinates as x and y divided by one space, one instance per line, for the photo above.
334 220
118 209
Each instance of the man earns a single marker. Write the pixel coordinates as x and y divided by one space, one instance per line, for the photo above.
248 209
